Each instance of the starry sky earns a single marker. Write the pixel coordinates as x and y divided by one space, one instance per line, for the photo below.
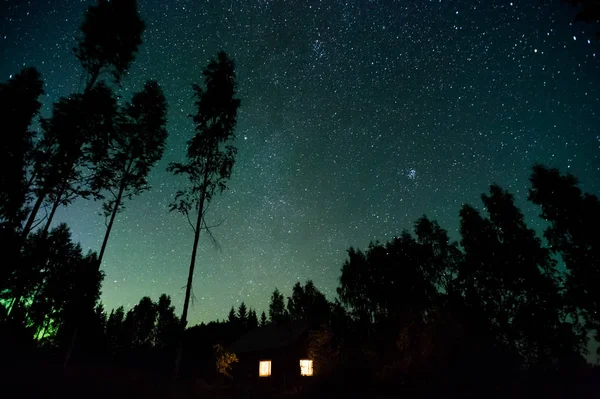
357 117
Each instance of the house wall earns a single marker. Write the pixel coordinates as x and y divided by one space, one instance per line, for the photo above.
285 369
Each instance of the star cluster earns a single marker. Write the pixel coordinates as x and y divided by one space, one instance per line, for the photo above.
357 117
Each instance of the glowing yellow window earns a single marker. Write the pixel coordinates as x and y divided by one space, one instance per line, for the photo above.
264 368
306 367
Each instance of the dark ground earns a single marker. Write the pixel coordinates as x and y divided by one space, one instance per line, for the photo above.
53 381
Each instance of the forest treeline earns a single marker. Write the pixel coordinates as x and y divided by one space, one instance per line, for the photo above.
500 302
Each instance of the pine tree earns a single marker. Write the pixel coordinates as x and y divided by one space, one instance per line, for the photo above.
232 318
252 319
263 319
243 316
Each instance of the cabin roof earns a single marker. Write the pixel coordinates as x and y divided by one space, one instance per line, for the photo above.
273 336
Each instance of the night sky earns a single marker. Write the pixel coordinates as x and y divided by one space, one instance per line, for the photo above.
357 117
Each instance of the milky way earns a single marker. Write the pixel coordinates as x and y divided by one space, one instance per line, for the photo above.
357 117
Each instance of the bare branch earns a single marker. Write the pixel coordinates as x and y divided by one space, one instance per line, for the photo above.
193 297
187 215
212 237
214 225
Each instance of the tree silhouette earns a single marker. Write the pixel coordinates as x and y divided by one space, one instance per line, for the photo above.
210 154
166 323
111 34
59 283
440 257
242 316
135 145
573 217
19 104
115 331
277 312
72 136
263 319
309 304
140 323
232 317
252 320
387 284
508 273
588 11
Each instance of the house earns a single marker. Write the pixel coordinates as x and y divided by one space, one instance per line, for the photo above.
274 356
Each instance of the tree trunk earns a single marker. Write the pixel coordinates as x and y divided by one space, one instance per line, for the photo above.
32 215
55 205
110 223
51 216
188 289
71 348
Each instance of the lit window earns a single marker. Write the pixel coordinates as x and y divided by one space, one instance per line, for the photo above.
264 368
306 367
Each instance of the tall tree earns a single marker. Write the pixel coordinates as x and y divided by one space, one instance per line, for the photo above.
111 35
19 104
574 217
210 154
72 137
277 312
137 143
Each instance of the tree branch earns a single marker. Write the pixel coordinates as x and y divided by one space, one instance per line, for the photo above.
187 216
210 234
41 220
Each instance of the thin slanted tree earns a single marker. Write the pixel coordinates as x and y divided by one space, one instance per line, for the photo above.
137 143
111 35
210 155
73 136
